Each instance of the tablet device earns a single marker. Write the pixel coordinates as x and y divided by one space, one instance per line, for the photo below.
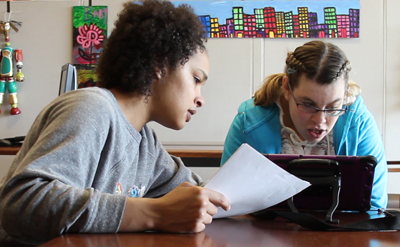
356 174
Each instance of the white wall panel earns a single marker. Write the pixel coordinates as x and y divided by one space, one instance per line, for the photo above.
392 72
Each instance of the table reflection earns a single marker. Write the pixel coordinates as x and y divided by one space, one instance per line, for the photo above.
242 231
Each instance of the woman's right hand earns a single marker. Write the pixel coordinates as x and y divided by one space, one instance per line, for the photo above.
187 208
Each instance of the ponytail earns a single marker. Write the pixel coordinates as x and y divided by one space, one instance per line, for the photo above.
270 90
353 91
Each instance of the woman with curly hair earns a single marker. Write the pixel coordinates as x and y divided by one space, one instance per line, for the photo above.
312 108
90 163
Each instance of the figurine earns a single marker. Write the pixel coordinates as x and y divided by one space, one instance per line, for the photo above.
7 57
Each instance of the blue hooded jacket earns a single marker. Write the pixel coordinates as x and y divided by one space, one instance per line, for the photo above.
355 133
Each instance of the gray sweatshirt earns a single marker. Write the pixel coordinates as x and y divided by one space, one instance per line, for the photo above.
79 162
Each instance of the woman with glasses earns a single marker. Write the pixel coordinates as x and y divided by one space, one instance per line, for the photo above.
311 109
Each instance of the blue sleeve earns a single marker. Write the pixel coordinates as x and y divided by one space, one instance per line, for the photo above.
235 137
370 143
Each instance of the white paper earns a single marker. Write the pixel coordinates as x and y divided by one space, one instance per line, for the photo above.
251 182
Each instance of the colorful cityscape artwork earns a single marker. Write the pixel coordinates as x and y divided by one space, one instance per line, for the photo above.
89 36
279 18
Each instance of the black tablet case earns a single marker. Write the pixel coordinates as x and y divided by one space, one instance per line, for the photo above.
356 172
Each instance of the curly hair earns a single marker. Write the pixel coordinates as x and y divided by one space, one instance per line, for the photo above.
149 35
317 60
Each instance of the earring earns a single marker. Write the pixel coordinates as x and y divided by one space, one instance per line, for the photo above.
159 74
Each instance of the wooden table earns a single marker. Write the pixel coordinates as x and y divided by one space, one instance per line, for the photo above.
13 150
243 231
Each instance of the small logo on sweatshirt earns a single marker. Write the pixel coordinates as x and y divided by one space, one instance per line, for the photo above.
134 191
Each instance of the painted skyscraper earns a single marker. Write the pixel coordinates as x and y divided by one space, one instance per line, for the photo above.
269 23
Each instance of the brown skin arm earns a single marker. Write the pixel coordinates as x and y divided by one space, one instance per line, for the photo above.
187 208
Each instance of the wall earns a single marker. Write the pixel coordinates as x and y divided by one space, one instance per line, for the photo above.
237 69
46 40
392 79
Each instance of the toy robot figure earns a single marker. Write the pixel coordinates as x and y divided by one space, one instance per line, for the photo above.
7 56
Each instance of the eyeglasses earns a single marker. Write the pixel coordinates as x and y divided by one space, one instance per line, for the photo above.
333 112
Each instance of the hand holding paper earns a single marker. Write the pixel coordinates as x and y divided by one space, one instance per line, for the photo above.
251 182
